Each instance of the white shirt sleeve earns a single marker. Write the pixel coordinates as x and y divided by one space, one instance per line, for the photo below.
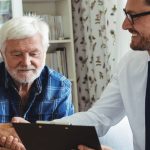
106 112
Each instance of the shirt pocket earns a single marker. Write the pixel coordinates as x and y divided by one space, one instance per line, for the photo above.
45 110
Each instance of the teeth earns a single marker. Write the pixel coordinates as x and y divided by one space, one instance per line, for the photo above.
134 34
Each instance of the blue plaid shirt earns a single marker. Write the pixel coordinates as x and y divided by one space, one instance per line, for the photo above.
50 97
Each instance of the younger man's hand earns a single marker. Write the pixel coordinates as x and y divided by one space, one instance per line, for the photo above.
19 120
83 147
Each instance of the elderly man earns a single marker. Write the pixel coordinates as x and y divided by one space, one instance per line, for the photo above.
28 88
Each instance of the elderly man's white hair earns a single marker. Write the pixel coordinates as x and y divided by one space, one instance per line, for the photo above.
24 27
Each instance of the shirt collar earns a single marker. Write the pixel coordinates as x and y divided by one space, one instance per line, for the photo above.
38 85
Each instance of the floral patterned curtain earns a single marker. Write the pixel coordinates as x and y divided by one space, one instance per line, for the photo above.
95 32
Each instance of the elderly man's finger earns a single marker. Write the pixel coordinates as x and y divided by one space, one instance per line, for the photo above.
2 140
9 141
14 143
19 146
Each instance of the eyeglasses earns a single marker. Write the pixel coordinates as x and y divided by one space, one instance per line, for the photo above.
131 17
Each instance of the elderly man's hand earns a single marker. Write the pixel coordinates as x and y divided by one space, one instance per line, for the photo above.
11 143
82 147
9 138
7 129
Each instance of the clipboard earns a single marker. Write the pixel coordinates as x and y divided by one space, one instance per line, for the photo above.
56 137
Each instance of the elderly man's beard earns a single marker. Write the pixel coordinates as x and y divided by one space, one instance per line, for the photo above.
28 78
25 75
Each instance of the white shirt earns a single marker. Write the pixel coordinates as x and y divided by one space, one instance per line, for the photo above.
125 95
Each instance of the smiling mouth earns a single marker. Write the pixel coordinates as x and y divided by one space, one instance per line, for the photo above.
134 34
25 70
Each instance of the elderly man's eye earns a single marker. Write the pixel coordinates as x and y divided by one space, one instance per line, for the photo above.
35 54
16 54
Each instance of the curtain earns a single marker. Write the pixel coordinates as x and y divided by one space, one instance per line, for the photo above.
96 37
